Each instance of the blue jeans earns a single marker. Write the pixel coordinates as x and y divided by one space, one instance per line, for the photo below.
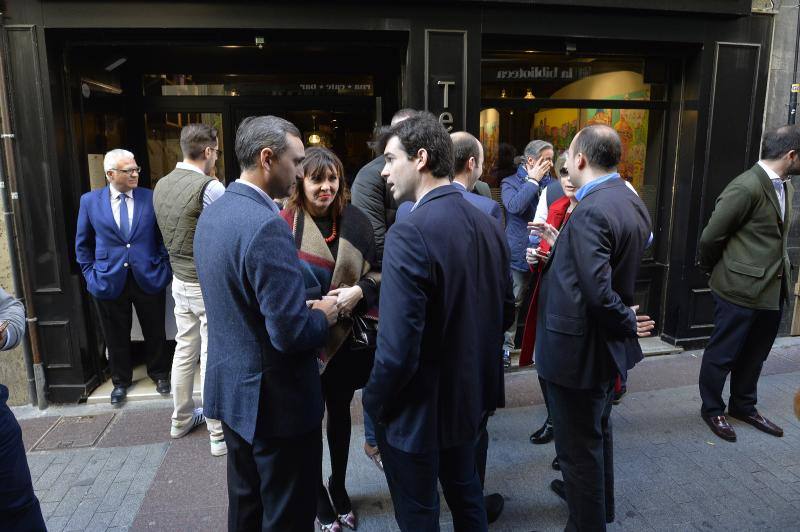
369 430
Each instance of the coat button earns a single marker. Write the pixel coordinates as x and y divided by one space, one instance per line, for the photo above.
126 264
127 245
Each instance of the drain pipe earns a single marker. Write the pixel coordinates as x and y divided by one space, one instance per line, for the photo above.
12 220
795 85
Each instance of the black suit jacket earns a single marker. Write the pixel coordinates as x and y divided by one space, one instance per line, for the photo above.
444 304
587 332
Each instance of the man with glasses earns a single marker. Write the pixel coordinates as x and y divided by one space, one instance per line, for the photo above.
179 197
123 259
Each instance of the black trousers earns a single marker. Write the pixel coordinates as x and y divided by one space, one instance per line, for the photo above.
272 483
116 318
739 345
412 483
19 507
585 450
482 449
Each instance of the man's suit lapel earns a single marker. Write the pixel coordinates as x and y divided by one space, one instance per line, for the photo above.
769 189
108 214
138 203
788 194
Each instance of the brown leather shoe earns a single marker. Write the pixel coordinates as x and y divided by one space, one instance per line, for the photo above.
759 422
720 426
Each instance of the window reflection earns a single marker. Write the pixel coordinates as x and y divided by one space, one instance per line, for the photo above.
163 141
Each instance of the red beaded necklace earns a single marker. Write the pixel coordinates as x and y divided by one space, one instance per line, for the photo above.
333 236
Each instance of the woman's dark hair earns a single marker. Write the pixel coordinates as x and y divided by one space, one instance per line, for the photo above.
423 131
320 162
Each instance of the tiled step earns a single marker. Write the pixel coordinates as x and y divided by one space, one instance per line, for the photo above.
143 389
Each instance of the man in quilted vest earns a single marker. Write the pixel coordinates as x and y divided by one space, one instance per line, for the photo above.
179 197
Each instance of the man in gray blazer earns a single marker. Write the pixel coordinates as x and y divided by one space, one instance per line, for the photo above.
19 507
262 379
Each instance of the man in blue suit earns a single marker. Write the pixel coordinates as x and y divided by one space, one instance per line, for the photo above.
445 299
588 328
124 261
262 375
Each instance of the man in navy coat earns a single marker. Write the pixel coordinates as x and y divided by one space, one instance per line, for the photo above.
123 259
588 328
467 170
262 375
445 298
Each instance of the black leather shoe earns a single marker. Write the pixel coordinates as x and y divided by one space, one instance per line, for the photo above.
555 465
558 488
494 506
759 422
162 386
118 395
720 426
544 434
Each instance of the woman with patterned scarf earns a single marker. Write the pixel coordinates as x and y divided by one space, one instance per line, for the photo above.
336 246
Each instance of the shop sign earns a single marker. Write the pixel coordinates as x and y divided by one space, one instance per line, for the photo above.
541 73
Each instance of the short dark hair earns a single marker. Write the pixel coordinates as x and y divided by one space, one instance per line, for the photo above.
258 132
423 131
601 146
195 138
318 161
404 113
464 147
780 141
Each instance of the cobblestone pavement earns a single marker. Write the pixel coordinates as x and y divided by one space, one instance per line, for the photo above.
671 472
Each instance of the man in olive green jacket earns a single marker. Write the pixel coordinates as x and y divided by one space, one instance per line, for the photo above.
743 248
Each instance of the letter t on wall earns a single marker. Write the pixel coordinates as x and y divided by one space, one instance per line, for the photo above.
447 85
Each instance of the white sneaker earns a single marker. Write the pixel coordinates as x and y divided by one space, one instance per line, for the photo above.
179 431
218 448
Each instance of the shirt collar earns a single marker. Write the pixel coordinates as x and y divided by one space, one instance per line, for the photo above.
770 172
116 193
270 202
588 187
189 166
459 185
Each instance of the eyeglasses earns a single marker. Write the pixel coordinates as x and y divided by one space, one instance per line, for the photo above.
563 172
215 149
128 171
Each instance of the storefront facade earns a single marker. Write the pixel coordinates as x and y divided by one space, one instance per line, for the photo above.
683 85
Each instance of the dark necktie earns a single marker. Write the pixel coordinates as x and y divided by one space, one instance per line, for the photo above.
124 222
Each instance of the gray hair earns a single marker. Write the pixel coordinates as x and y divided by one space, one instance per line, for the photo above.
536 147
258 132
113 157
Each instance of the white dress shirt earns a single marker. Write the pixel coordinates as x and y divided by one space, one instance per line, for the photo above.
115 204
213 190
777 184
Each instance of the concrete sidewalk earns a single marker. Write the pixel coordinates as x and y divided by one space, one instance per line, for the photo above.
671 472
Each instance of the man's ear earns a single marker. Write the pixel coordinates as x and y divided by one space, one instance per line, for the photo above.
580 161
266 158
471 164
422 155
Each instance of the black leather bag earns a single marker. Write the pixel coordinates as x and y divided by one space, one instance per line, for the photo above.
365 332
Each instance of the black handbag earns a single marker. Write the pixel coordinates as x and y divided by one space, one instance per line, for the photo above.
365 332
